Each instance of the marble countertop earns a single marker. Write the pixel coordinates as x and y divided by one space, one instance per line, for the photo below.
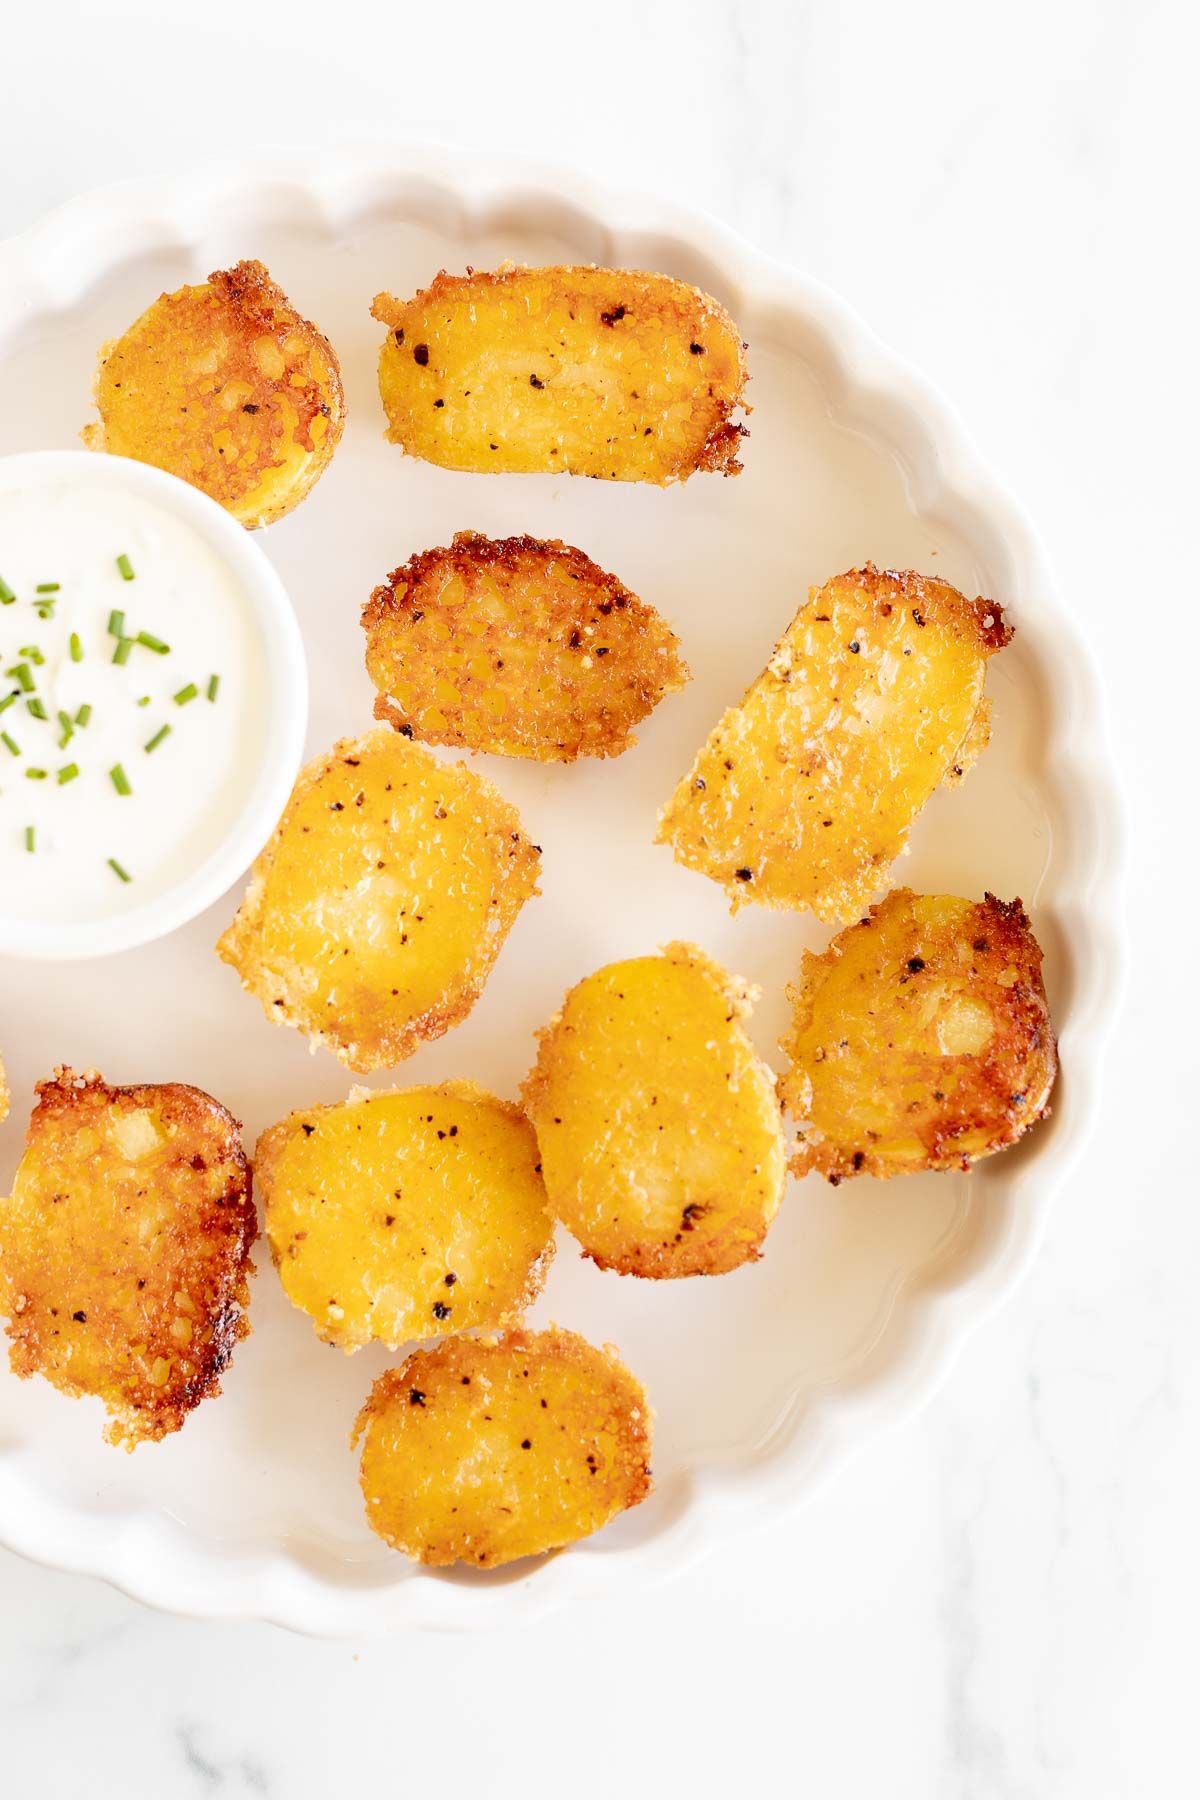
996 1602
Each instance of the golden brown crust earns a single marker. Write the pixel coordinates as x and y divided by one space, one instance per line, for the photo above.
620 374
125 1248
376 911
486 1450
804 793
406 1214
921 1039
227 386
660 1135
520 646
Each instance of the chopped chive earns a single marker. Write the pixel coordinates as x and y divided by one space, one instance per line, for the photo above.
76 647
35 774
118 871
47 587
30 839
10 744
68 729
68 772
116 624
9 700
120 780
185 694
6 594
214 683
84 716
123 650
145 700
36 709
33 653
45 610
163 731
126 568
21 675
153 643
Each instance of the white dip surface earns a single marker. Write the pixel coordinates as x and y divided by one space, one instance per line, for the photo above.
188 791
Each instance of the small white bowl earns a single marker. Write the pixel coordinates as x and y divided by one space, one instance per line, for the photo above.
284 700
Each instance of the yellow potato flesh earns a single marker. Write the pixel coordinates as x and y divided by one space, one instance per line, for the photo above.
604 372
226 386
124 1249
517 646
805 792
921 1040
406 1215
660 1135
483 1451
377 910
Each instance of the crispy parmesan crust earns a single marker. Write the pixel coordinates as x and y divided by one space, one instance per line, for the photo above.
403 1215
804 793
618 374
659 1130
921 1039
225 385
520 646
486 1450
376 911
125 1248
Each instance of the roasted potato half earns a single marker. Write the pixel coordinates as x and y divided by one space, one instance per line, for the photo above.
374 914
517 646
921 1039
225 385
406 1215
660 1135
606 372
125 1248
805 792
484 1450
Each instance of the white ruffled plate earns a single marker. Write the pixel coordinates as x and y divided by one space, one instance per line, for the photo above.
764 1380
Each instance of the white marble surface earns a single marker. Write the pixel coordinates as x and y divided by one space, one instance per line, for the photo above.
997 1602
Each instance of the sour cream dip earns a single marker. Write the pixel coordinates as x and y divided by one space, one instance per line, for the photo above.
152 702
